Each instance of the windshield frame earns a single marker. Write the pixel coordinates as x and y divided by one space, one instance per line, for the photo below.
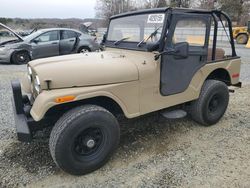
130 45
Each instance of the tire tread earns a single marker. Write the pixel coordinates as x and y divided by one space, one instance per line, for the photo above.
61 125
196 106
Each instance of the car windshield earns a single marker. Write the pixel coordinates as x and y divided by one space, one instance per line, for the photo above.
33 35
136 28
6 35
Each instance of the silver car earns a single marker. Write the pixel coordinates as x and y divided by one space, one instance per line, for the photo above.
43 43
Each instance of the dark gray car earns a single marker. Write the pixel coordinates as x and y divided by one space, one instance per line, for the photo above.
43 43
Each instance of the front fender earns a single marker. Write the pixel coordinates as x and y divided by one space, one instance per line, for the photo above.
46 99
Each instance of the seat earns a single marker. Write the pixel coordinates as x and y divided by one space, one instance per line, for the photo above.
219 55
196 40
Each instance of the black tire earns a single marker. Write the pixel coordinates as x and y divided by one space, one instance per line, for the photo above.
70 139
20 57
212 103
83 49
242 38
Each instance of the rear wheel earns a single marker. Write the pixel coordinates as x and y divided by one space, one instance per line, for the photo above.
212 103
84 50
242 38
83 139
21 57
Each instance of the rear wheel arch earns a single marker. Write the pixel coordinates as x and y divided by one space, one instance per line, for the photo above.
221 75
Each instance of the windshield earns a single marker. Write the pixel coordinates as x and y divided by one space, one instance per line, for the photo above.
6 35
33 35
136 28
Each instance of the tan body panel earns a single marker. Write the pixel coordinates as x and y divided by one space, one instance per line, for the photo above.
137 97
124 94
84 70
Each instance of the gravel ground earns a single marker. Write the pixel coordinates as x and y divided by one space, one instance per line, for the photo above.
153 152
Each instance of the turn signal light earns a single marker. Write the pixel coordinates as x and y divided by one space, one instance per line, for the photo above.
65 99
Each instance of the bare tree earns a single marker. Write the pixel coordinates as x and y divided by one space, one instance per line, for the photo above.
206 4
107 8
149 3
238 10
180 3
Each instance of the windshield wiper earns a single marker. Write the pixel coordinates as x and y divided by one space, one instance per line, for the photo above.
150 36
118 41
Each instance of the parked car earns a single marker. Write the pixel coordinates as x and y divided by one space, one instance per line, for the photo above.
44 43
148 65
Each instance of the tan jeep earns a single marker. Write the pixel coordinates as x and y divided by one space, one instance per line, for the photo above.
151 62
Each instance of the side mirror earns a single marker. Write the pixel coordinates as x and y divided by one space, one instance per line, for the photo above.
152 46
104 38
181 50
35 41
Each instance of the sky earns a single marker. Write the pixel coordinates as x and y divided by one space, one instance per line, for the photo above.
47 8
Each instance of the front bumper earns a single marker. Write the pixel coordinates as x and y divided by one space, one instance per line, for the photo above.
5 56
21 120
26 126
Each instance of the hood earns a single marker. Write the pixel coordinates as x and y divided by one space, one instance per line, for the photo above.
89 69
13 32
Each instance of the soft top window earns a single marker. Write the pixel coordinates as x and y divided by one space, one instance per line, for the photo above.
136 28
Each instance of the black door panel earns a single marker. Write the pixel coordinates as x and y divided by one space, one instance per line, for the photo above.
177 73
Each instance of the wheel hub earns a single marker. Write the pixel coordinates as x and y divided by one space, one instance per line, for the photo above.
90 143
21 57
214 104
84 51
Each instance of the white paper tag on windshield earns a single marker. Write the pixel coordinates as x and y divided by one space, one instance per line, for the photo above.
156 18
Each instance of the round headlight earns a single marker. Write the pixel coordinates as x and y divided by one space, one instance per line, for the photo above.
37 84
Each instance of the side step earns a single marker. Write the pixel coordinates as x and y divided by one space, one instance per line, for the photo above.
174 114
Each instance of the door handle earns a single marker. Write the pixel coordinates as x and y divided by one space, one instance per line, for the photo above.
54 43
72 40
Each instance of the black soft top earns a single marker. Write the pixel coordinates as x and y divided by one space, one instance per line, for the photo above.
160 10
216 14
143 11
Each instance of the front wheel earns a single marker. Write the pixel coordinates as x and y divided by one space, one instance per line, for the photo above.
21 57
83 139
212 103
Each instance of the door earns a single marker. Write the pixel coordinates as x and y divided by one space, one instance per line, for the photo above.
177 71
46 45
68 42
